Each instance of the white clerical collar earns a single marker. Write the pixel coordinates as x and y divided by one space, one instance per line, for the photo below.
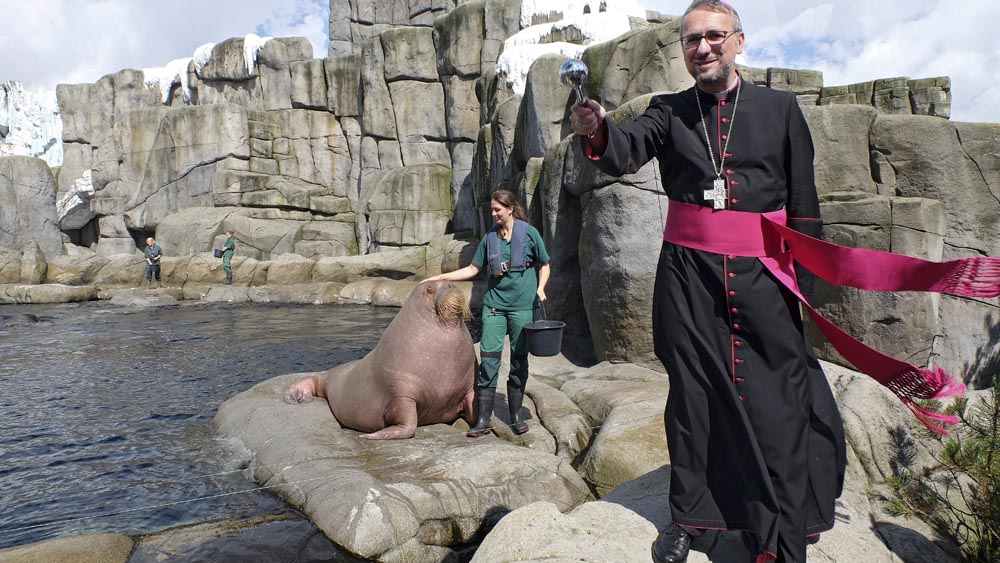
725 93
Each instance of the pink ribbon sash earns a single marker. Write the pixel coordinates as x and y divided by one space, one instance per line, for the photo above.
767 237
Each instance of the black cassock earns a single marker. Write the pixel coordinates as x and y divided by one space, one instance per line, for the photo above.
755 438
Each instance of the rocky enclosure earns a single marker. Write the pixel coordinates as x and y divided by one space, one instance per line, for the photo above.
378 159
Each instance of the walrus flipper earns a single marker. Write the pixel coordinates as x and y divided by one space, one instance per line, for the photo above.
301 392
402 414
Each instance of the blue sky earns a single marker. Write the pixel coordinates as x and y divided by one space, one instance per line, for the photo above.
46 42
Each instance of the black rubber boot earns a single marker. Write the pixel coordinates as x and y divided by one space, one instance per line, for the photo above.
484 411
515 396
149 284
229 278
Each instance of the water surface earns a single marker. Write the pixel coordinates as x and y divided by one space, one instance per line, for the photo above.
106 409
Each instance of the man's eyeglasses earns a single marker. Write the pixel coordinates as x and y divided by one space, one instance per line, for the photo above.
714 38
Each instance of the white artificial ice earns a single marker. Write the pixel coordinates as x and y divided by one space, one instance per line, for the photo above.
73 208
30 124
590 21
175 73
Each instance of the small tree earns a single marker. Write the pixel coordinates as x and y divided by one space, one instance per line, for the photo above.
961 497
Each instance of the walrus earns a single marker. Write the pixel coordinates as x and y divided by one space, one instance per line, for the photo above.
19 319
422 371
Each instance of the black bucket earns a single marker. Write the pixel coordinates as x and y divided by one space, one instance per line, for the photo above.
217 252
544 337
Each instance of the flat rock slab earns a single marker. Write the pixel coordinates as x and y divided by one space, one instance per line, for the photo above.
89 548
275 538
136 298
11 294
416 500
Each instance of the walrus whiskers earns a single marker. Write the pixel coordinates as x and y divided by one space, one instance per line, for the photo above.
452 307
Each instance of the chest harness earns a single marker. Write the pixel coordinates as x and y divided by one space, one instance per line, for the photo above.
518 250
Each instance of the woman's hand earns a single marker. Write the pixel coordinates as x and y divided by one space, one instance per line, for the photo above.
541 295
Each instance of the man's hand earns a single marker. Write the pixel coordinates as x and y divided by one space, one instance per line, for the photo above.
587 120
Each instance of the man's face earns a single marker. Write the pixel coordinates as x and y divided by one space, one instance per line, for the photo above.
712 66
150 241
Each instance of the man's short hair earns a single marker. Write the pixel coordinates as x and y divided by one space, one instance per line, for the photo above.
713 6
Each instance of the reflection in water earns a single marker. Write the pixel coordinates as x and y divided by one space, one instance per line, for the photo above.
109 409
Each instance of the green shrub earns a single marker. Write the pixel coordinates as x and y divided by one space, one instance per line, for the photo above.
961 497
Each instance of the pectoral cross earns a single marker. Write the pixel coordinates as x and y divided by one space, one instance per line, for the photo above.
717 194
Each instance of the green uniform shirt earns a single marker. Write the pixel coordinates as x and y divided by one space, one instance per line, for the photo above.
153 253
514 291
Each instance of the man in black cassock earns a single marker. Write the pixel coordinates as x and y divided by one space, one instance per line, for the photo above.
756 443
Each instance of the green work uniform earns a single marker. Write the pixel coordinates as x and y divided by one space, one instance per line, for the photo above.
227 255
509 304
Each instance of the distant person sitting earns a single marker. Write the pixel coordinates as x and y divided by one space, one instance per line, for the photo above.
227 255
152 255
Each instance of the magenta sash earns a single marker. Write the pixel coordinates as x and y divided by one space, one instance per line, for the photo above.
767 237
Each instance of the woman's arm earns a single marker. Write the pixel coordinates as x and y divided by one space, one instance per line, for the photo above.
543 278
466 273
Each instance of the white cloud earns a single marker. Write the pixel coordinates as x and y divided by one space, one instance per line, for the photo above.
860 40
47 42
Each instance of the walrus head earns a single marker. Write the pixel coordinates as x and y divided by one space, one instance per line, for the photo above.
450 303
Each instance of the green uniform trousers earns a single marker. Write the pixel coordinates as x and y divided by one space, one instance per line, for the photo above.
496 326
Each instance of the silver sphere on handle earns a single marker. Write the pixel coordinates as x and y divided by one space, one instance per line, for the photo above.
574 73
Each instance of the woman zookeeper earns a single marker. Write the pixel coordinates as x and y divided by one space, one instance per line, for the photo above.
518 265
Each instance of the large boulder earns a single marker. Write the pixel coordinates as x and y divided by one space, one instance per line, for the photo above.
631 441
377 113
191 145
637 63
542 122
840 135
446 491
46 293
407 263
902 324
28 205
617 268
459 38
409 205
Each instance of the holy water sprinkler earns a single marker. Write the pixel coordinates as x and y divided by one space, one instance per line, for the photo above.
574 73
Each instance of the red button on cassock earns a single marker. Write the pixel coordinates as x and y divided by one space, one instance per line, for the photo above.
740 380
738 343
736 326
732 294
729 172
731 257
732 275
724 137
742 398
725 120
734 201
735 310
738 362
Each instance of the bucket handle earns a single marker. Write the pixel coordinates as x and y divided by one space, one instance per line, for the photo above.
541 315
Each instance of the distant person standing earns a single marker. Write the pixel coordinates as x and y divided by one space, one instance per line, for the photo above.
227 255
152 254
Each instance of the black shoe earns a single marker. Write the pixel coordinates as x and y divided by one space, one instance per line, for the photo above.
484 411
672 545
515 397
